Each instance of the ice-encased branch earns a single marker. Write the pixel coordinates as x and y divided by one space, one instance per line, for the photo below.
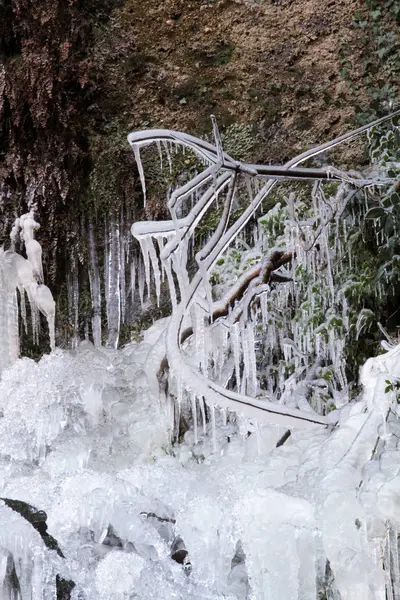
219 161
262 272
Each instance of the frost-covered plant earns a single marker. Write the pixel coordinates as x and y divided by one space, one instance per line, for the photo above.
263 334
84 433
344 276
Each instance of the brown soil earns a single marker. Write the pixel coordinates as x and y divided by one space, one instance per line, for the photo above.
274 65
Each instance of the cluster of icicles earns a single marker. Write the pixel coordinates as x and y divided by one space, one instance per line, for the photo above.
26 276
113 273
112 277
203 370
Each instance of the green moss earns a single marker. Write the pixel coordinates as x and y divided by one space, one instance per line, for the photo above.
239 140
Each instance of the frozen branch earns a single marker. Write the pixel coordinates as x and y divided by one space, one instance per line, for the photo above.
222 173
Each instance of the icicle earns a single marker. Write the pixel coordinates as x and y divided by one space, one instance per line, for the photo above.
122 276
70 299
159 148
206 351
12 319
95 289
133 280
168 154
141 282
156 268
75 299
113 292
246 361
43 300
136 151
160 243
194 416
106 255
144 247
249 332
23 306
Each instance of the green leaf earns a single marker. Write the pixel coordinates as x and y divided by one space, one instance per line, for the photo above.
375 212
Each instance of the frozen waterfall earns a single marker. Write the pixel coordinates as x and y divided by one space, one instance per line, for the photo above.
221 456
85 439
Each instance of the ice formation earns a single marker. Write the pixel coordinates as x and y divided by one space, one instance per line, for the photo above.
26 276
222 178
90 447
268 492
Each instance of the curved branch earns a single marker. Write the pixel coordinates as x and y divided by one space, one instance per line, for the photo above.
194 380
275 260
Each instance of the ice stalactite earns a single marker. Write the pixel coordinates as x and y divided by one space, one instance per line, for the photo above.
75 300
113 290
141 282
156 269
145 246
132 285
9 348
106 263
141 171
122 278
95 288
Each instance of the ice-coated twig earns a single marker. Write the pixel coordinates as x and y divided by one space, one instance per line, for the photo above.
198 383
218 141
209 153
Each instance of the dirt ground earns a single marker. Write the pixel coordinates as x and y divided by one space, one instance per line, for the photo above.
274 65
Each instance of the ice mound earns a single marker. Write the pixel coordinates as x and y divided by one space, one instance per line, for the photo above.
86 438
117 575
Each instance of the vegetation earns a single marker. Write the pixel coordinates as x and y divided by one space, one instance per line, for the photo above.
374 67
